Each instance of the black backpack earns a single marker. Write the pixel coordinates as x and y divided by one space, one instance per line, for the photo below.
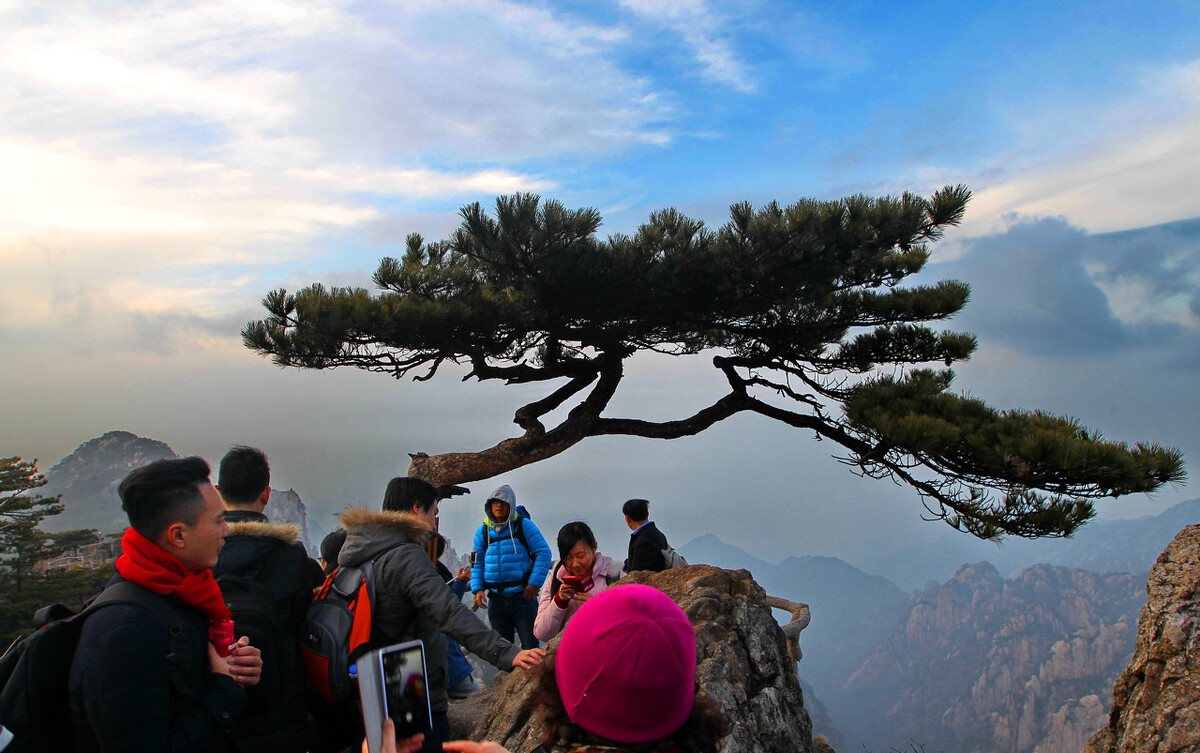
256 617
35 670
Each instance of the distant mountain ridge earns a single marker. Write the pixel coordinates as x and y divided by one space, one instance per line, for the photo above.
1128 546
982 664
88 478
852 611
973 664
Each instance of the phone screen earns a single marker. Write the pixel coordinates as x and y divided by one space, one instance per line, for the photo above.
405 694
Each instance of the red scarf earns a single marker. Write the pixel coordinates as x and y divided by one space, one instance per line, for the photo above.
154 568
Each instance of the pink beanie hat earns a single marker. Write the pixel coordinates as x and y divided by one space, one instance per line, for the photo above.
626 665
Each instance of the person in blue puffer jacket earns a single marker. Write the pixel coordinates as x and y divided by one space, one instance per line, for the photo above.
512 559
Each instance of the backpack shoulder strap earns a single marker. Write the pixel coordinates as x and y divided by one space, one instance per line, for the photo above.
127 592
487 538
519 532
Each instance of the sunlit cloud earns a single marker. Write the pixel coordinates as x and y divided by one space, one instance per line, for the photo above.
1149 179
420 182
1125 162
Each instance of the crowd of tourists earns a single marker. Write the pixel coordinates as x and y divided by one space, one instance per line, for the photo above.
196 643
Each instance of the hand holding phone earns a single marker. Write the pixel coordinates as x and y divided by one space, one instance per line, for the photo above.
392 684
573 582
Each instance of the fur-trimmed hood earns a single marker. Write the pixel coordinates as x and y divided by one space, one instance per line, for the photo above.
254 540
369 532
285 532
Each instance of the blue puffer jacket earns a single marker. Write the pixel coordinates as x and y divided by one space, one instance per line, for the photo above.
503 557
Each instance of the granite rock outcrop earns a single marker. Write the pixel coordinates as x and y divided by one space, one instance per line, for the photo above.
88 478
287 507
1156 699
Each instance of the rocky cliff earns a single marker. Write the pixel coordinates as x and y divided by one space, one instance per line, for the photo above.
854 612
742 663
1156 699
286 507
983 664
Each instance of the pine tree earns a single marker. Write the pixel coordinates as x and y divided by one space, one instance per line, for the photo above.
801 309
22 543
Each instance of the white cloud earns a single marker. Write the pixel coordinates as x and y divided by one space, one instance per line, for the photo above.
143 143
1137 302
700 27
475 79
61 187
417 183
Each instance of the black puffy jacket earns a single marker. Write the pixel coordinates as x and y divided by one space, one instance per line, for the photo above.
125 698
278 719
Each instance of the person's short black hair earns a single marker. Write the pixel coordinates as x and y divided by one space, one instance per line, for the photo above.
244 475
638 510
331 547
571 534
406 492
164 492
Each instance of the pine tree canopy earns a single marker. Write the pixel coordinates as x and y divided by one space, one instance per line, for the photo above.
17 478
800 307
22 543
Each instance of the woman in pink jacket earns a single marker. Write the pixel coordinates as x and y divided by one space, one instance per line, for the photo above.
581 573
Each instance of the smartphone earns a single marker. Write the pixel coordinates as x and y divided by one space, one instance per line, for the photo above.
392 683
405 693
573 581
472 558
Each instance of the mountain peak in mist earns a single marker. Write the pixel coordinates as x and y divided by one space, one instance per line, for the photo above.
88 479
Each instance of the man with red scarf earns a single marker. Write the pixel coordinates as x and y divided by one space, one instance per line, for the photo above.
162 672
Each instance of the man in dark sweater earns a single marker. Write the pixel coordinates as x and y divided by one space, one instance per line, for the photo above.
271 555
646 543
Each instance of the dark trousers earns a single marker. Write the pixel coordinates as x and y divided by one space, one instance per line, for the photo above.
509 613
440 734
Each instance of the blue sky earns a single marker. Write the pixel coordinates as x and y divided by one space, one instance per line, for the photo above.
166 164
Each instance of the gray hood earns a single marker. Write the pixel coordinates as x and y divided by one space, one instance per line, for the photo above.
505 494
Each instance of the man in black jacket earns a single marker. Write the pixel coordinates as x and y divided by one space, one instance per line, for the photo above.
646 543
278 719
150 676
